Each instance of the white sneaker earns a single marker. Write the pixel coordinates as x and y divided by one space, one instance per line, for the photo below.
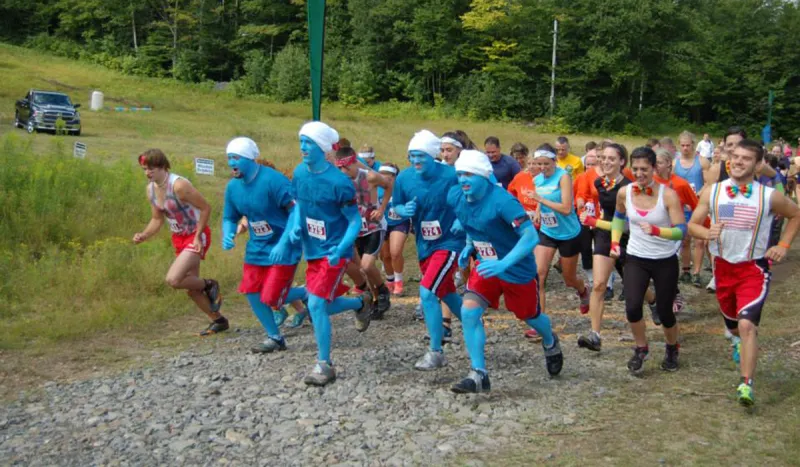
728 334
431 361
712 285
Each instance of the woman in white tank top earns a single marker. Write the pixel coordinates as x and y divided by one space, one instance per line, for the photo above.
657 226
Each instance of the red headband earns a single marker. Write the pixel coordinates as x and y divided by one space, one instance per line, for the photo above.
142 160
346 161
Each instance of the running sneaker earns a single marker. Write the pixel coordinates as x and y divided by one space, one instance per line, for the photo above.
591 342
432 360
447 337
215 327
398 288
584 300
609 295
475 382
297 320
654 313
390 286
636 363
214 297
364 314
621 297
322 374
696 281
270 345
736 349
533 335
712 285
745 394
728 334
670 362
686 277
383 304
418 314
554 358
280 316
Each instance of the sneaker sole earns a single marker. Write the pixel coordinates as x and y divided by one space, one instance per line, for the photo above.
318 384
588 346
668 369
746 402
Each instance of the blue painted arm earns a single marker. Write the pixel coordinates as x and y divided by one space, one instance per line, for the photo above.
525 245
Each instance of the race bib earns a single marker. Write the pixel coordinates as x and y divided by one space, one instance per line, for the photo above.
431 230
393 215
485 250
589 208
316 229
549 220
173 225
364 225
261 228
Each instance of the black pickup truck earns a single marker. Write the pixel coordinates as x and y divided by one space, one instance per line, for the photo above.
39 110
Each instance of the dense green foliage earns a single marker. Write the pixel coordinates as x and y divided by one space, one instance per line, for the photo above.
623 65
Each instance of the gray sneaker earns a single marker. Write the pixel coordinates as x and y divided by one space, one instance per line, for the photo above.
364 314
322 374
432 360
554 358
269 345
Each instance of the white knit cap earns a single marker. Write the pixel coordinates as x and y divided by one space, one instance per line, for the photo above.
243 147
426 142
322 134
475 162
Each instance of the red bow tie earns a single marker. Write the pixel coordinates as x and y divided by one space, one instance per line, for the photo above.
637 190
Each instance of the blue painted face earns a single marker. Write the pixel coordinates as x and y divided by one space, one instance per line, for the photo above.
312 153
474 186
422 162
242 167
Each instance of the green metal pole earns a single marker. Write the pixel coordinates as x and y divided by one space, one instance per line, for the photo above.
316 40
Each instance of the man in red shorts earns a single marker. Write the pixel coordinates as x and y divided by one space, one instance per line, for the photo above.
173 198
420 193
741 212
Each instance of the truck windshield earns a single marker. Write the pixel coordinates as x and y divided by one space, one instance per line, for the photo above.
43 98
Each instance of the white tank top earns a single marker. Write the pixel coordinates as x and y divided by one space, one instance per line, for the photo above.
747 222
641 244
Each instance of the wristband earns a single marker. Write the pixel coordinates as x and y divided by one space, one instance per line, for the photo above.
656 231
614 245
590 221
784 245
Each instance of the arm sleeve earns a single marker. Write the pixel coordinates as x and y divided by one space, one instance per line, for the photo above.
670 233
617 226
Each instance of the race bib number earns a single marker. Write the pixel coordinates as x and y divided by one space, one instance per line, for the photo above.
261 228
364 225
431 230
549 220
393 215
485 250
316 229
589 208
173 225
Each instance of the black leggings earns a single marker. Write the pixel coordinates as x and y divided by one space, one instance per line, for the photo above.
638 272
586 247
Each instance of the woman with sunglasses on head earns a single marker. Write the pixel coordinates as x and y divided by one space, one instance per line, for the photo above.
657 226
560 228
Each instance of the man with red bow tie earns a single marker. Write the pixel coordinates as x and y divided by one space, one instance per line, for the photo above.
741 212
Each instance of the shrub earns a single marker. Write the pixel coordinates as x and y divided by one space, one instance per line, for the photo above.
289 76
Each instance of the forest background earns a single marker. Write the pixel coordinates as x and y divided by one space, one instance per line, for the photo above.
641 67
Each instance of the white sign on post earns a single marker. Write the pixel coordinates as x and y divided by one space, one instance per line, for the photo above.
79 150
204 166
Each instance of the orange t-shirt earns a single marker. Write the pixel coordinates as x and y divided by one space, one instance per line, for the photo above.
522 188
685 193
584 189
628 174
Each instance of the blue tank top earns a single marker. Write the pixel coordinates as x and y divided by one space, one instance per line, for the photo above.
556 225
693 175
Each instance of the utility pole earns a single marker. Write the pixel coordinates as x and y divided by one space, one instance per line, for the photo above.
553 71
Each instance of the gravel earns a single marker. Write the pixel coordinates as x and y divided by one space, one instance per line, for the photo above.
219 404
